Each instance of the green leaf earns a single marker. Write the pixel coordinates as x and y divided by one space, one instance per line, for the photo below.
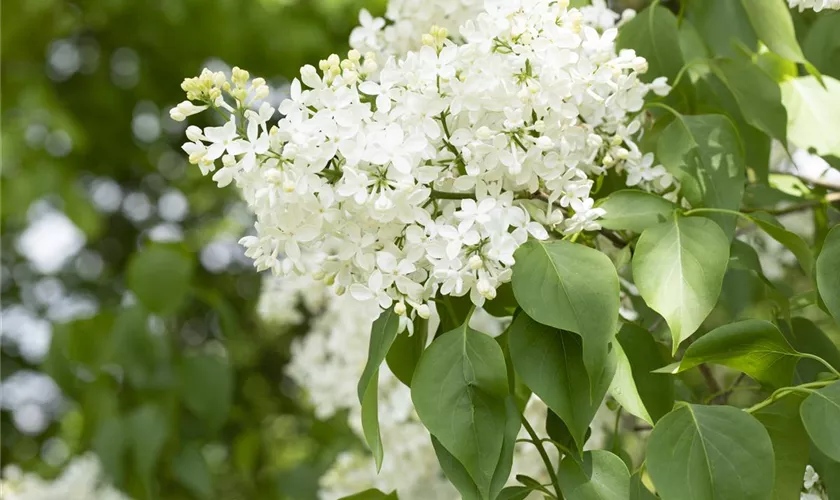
710 452
638 490
722 23
372 494
678 268
813 113
623 387
790 444
109 444
828 272
774 26
458 475
821 413
644 354
405 352
570 287
753 346
705 153
600 476
382 335
160 276
654 35
148 430
207 389
515 493
550 363
806 337
634 210
504 304
792 241
758 96
459 390
190 469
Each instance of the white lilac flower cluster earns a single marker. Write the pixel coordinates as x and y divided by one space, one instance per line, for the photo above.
812 488
423 176
82 479
816 5
326 364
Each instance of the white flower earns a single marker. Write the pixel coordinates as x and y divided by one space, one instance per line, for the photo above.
816 5
419 169
180 112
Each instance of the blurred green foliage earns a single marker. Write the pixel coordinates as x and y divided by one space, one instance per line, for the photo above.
176 385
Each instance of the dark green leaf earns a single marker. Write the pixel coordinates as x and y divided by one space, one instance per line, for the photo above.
570 287
821 413
160 277
828 272
654 35
207 389
504 304
638 490
455 472
678 268
705 153
600 476
634 210
459 390
382 335
550 362
515 493
645 355
755 347
406 350
724 26
792 241
190 469
806 337
790 444
710 452
758 96
148 430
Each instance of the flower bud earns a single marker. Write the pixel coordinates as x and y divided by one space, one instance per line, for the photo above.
399 308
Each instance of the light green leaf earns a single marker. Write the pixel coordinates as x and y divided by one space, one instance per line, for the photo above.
160 276
774 26
372 494
792 241
570 287
753 346
382 335
678 268
758 96
550 363
813 113
644 355
515 493
710 452
634 210
190 469
790 444
638 490
828 272
599 476
705 153
459 390
623 387
821 414
207 389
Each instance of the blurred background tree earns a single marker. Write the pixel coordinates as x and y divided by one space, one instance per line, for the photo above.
121 276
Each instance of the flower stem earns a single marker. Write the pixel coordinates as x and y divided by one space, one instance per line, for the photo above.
541 449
